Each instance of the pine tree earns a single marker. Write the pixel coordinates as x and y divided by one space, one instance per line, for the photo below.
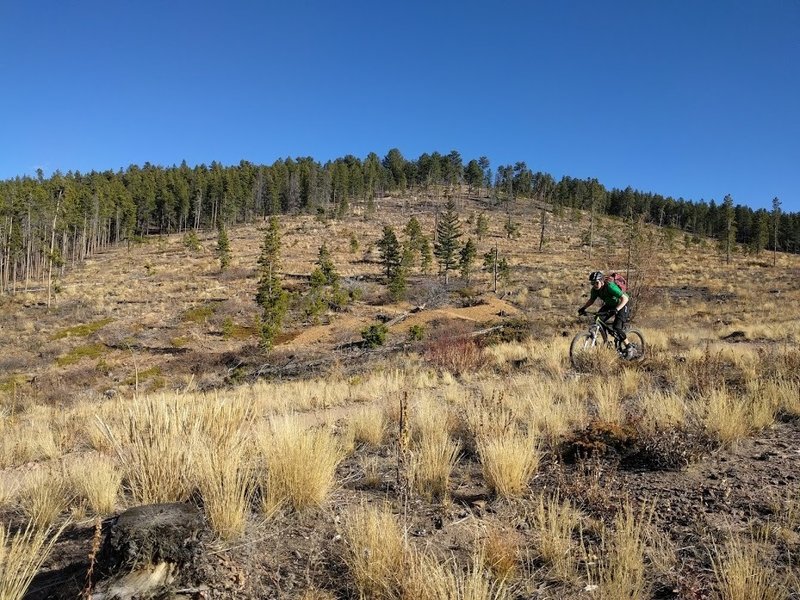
776 219
481 226
468 254
729 223
271 296
448 230
223 246
390 252
425 255
326 266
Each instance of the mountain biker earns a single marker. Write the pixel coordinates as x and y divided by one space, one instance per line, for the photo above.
616 303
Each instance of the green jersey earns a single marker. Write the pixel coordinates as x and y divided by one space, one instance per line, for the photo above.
610 294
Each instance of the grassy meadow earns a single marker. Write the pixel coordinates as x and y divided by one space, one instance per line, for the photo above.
440 465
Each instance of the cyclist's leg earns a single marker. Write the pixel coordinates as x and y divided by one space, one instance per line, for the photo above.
620 323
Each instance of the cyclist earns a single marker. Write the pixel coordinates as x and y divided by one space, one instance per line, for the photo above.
616 303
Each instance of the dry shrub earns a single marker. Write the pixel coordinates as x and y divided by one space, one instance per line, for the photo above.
375 552
21 556
554 522
501 552
300 464
600 438
95 480
315 594
456 354
369 467
743 573
508 462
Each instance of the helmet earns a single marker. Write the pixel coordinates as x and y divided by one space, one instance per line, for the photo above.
595 276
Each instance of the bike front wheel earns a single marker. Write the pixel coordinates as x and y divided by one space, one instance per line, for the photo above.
582 345
636 338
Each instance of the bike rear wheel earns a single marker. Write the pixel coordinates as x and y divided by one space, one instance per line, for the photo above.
582 345
636 338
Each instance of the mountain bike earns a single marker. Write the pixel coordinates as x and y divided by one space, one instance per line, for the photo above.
602 335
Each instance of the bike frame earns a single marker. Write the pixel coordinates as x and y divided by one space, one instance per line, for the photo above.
599 326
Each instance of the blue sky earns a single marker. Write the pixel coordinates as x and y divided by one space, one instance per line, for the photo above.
693 99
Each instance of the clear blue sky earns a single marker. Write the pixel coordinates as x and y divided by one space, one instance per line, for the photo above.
688 98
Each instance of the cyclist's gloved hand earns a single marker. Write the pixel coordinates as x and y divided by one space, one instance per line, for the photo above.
581 312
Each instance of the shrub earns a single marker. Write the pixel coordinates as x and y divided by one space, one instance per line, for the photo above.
374 335
455 354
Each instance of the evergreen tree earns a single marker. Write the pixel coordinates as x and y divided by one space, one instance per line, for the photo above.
473 175
448 230
481 226
413 244
271 296
326 266
223 246
759 237
497 265
776 219
390 252
325 291
468 254
425 255
729 227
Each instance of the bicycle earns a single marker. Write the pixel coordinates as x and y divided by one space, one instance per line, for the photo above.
602 335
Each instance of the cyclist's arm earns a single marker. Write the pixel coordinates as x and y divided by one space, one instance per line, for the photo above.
623 300
592 297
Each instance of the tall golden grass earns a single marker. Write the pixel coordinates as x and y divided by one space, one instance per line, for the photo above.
742 572
375 552
22 555
509 462
299 464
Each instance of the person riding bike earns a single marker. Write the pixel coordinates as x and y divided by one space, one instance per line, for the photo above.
616 303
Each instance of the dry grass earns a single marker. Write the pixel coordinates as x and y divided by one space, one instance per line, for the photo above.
368 425
430 579
44 496
225 478
509 462
725 416
96 480
608 401
619 570
300 464
155 443
22 555
501 552
375 552
555 522
743 572
434 453
660 410
9 485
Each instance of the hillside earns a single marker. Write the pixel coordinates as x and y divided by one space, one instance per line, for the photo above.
491 456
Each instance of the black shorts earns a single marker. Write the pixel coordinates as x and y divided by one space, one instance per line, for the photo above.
620 320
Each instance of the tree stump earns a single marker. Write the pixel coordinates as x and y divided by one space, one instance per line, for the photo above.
152 534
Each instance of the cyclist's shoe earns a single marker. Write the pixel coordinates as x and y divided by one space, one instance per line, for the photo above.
630 352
